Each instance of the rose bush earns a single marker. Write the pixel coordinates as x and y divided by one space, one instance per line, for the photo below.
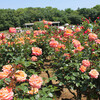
72 54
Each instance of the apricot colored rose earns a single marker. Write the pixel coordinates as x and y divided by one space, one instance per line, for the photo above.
12 30
49 23
36 51
6 93
7 68
46 26
82 68
45 22
35 81
92 36
28 32
77 29
32 41
76 43
88 30
68 31
86 63
34 58
80 48
97 41
20 76
94 73
3 75
53 44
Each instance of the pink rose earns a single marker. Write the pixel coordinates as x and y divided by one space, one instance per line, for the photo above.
86 63
36 51
35 81
6 94
94 73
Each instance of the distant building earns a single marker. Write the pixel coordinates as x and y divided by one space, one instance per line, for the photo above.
28 24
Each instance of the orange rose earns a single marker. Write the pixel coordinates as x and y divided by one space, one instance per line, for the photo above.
82 68
28 32
80 48
46 26
36 51
77 29
92 36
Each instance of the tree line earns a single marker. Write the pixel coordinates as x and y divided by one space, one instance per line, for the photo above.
16 18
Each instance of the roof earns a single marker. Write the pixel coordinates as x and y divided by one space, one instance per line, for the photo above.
55 22
28 24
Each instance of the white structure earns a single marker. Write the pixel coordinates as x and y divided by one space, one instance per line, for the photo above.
55 23
28 24
18 29
61 27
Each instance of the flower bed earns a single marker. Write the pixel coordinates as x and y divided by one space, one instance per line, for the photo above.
72 54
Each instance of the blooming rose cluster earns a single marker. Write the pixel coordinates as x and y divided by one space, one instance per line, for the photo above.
47 22
37 32
93 73
55 44
77 45
20 76
68 32
94 37
85 64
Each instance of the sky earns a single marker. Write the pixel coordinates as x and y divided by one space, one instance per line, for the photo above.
60 4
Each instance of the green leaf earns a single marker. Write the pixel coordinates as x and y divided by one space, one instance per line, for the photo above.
1 82
7 79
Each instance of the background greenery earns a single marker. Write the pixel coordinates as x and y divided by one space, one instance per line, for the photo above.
16 18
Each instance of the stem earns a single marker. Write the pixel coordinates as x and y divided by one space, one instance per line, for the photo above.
50 82
88 97
78 95
72 93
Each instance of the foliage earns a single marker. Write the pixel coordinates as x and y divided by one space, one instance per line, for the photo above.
17 18
67 56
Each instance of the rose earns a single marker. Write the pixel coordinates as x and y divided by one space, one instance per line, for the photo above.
94 73
36 51
86 63
20 76
35 81
6 94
